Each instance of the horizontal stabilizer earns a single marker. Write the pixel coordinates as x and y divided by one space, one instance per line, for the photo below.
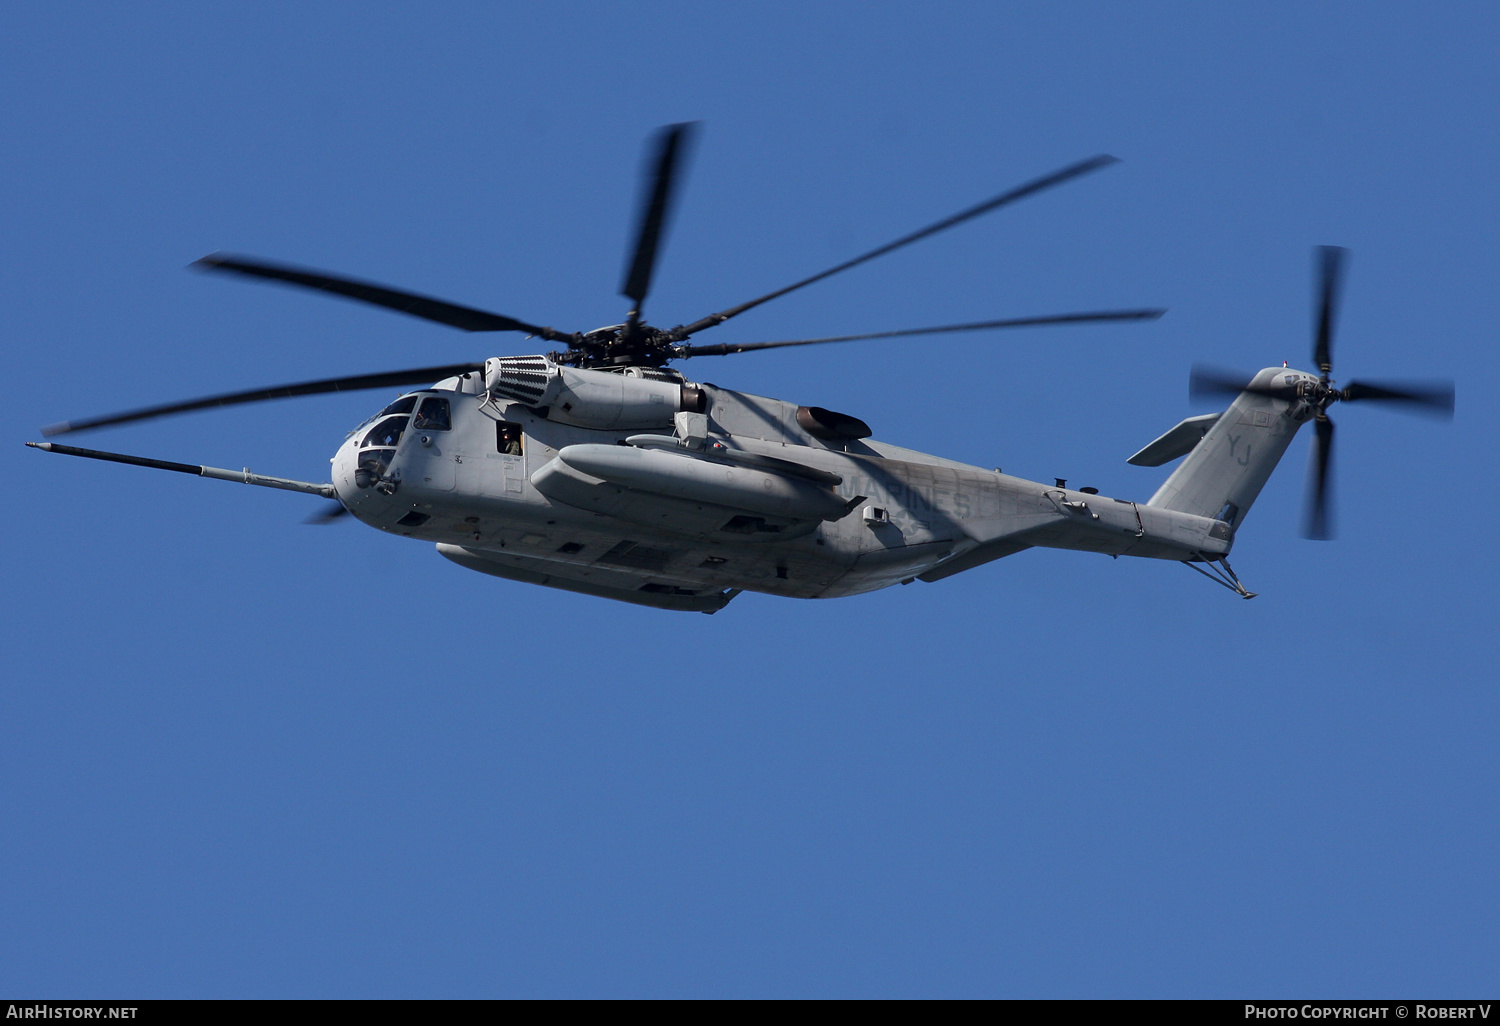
1177 442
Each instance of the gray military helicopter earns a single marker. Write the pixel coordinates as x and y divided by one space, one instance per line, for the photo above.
599 469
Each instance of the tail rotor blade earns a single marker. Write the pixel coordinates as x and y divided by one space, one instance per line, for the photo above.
1331 261
1433 396
1210 382
1319 523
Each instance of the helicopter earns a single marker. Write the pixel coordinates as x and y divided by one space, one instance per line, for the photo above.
597 468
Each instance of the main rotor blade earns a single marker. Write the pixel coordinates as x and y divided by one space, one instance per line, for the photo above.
331 512
1037 185
727 348
1331 261
671 146
418 376
1319 524
1436 396
465 317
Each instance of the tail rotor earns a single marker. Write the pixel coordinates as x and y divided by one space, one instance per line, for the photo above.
1435 398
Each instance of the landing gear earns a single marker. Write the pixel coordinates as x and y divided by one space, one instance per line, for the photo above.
1220 572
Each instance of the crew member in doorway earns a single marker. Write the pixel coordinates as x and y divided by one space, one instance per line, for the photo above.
509 439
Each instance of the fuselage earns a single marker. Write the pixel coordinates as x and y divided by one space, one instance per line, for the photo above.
453 466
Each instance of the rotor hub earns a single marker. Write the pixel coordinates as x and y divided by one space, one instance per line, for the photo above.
620 345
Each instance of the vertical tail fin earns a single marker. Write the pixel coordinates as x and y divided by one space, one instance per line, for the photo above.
1224 472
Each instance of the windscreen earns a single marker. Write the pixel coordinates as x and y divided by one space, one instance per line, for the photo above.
386 433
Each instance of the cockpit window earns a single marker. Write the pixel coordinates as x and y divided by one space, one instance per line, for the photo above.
402 405
385 433
433 416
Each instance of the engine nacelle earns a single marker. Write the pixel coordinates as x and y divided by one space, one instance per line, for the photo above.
636 397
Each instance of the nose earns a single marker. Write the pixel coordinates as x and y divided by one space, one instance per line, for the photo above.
344 473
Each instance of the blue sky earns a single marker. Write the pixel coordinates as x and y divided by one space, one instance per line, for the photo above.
240 756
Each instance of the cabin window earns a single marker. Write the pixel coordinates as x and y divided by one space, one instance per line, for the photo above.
507 438
386 433
433 416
